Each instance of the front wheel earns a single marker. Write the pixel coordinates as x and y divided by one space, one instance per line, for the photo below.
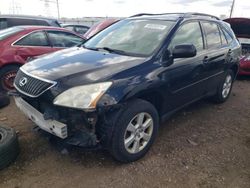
225 88
134 131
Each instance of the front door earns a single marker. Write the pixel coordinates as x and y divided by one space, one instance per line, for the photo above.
184 79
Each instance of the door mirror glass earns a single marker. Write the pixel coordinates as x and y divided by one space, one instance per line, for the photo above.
184 51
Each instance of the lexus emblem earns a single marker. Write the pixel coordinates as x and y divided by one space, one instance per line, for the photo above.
23 81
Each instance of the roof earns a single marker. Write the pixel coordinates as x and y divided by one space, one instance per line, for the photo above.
24 16
174 16
80 25
36 27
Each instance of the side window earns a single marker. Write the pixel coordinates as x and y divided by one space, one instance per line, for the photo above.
71 28
223 38
3 23
189 33
34 39
81 30
228 36
212 34
63 39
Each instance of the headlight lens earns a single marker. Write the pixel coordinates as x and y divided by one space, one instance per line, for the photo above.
82 97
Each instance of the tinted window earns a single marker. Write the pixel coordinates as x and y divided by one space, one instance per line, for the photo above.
3 23
212 34
223 38
9 32
189 33
81 30
71 28
228 36
63 39
34 39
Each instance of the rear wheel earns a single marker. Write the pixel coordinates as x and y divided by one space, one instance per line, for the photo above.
134 131
7 76
225 88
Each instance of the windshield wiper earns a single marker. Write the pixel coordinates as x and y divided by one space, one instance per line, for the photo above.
111 50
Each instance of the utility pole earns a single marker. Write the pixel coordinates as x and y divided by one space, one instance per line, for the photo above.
47 2
232 8
58 10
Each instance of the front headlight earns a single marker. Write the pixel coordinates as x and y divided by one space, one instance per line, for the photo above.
82 97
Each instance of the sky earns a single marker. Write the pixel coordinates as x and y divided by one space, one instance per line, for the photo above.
122 8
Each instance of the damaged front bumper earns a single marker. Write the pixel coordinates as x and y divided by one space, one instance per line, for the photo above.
70 131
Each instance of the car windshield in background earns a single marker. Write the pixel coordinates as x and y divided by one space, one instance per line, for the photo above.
131 37
8 32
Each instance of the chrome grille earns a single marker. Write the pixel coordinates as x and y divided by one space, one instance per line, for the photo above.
30 85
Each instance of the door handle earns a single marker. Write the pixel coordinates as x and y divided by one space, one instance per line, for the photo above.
230 51
205 60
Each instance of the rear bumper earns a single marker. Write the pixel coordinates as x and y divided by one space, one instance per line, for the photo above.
243 71
244 68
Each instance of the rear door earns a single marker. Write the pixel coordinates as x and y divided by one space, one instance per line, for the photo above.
217 52
34 44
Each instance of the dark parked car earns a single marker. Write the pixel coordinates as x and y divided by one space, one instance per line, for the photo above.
18 44
241 28
7 21
116 89
80 29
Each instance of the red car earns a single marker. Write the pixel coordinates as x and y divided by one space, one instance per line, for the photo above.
18 44
99 27
241 28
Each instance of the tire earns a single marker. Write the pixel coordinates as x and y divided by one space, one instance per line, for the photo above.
132 111
7 76
4 100
9 147
219 97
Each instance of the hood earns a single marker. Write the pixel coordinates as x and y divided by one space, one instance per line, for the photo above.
240 26
77 66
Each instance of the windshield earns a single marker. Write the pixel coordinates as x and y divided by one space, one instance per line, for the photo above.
8 32
132 37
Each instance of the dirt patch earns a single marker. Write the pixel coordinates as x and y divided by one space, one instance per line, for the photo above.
205 145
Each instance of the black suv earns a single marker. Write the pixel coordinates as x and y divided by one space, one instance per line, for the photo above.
114 90
7 21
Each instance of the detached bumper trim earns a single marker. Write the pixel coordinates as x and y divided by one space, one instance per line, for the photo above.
54 127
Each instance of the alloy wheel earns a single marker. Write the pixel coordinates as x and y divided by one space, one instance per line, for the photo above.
138 132
227 86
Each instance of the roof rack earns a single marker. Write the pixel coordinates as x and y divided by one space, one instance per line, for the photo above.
182 15
200 14
149 14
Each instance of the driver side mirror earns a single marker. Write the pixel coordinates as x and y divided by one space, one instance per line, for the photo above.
184 51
